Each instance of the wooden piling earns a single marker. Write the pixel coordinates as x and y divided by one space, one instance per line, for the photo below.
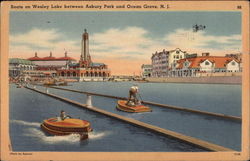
190 140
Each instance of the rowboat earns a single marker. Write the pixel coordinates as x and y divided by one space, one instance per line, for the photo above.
122 105
56 126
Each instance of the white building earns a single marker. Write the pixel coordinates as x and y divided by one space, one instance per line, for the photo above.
175 55
238 57
160 64
191 67
146 70
163 61
18 66
233 66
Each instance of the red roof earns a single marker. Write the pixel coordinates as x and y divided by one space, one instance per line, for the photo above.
34 58
220 61
65 58
48 58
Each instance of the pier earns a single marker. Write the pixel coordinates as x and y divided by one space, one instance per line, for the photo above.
156 129
235 118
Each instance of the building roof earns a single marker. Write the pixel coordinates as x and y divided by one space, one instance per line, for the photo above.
34 58
177 49
96 64
20 61
219 61
50 58
166 52
65 58
146 66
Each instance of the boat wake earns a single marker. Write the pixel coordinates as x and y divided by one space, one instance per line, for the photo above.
98 135
21 122
33 130
137 116
73 138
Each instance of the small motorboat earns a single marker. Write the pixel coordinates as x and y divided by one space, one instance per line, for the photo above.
56 126
61 83
49 84
122 105
19 86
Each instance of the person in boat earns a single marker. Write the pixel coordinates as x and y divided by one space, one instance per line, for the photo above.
63 115
133 100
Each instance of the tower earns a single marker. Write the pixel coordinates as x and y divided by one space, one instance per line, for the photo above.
85 56
85 46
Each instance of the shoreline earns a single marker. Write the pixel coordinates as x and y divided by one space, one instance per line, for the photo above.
232 80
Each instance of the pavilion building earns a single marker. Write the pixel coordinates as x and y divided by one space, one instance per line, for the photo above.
50 64
85 69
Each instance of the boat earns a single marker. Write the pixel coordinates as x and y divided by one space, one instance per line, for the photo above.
56 126
19 86
122 105
49 84
62 83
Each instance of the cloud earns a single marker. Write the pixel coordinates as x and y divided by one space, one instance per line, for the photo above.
187 39
37 37
136 43
130 37
131 41
43 41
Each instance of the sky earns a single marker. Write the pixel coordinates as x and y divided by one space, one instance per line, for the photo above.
123 40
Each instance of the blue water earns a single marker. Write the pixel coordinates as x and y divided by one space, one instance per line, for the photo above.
28 109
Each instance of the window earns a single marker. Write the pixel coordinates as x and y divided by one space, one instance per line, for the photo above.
233 63
177 52
207 63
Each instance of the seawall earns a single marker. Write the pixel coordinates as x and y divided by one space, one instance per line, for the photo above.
202 80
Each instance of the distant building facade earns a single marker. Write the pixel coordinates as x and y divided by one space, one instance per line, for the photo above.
163 61
146 70
51 63
195 66
85 69
238 57
159 64
19 66
175 55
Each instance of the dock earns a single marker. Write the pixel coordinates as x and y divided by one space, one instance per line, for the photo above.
164 132
223 116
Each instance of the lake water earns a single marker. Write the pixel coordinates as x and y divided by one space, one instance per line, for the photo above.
28 109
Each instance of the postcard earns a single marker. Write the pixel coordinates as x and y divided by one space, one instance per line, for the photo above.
124 80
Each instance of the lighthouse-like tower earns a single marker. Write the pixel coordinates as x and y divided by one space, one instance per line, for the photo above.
85 59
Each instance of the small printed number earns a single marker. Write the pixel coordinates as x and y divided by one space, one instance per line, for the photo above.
238 7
